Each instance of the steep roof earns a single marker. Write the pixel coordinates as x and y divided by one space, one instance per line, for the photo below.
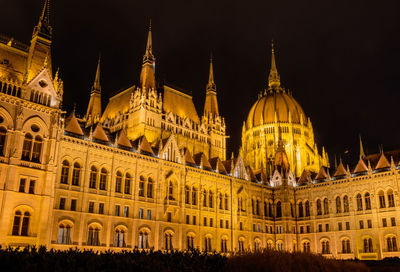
100 134
119 103
360 167
383 162
216 164
340 171
201 160
73 126
144 146
123 139
179 103
188 157
321 174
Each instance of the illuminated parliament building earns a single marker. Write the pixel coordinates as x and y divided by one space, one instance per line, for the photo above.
149 171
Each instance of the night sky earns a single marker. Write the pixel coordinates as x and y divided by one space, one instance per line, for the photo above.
340 59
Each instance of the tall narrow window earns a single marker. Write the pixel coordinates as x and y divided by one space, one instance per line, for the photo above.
64 235
141 186
16 224
204 198
390 198
25 224
326 206
301 214
307 208
103 179
150 188
187 195
367 201
319 207
226 202
382 203
22 185
118 182
27 147
64 172
278 209
128 180
359 203
143 240
171 191
194 196
168 241
190 242
76 173
210 199
37 148
3 133
93 236
220 201
346 204
32 186
93 177
338 205
119 238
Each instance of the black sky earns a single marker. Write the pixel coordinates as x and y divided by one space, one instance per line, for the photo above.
340 59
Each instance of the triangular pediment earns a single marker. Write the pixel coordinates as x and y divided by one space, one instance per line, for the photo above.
239 170
100 134
291 178
305 177
217 165
123 140
360 167
144 146
202 161
42 90
73 126
188 156
170 150
321 174
340 171
276 179
382 163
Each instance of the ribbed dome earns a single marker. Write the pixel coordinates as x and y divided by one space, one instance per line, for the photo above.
263 111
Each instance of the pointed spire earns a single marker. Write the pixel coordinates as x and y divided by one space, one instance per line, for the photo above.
362 154
274 80
211 103
147 78
43 28
96 85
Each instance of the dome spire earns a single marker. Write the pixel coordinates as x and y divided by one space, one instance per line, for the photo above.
147 78
211 103
274 80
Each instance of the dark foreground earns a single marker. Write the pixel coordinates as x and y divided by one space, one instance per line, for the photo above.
74 260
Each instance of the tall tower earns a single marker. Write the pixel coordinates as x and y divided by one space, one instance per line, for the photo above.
40 48
147 77
93 112
212 119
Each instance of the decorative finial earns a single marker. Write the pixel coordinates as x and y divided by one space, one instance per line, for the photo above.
274 80
362 154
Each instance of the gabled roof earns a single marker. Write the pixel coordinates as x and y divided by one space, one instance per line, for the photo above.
383 162
305 177
73 126
217 165
123 140
119 103
144 146
188 157
321 174
179 103
340 171
360 167
201 160
100 134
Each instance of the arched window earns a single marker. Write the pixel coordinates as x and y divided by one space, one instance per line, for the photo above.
390 198
150 188
21 224
210 199
345 204
171 191
168 241
252 206
367 201
346 246
220 201
187 195
338 205
257 245
278 209
319 207
27 147
128 181
226 202
93 177
190 242
325 247
382 203
204 198
3 133
76 173
194 196
64 234
258 207
93 236
119 238
326 207
141 186
391 244
301 212
118 182
37 149
224 247
359 203
307 208
103 179
306 247
207 244
143 240
64 172
368 247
